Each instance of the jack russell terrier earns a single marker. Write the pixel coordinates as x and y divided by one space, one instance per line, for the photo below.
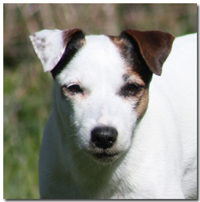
112 134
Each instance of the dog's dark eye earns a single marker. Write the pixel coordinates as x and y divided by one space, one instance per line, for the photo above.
73 89
130 90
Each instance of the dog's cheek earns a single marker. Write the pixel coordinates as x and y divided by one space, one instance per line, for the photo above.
81 126
126 130
135 111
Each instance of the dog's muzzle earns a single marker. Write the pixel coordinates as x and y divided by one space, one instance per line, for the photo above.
102 140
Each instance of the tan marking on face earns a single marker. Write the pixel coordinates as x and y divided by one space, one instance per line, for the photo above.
133 76
120 43
142 97
143 104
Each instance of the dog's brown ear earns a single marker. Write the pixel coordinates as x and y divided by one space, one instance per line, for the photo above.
154 47
56 47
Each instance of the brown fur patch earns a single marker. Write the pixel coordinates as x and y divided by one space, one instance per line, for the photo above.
154 47
120 43
136 72
142 104
130 53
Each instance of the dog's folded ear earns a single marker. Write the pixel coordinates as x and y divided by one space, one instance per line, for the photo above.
51 45
154 46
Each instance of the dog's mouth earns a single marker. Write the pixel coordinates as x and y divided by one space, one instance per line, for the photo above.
105 157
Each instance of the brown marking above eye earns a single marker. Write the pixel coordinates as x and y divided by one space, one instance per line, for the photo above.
130 53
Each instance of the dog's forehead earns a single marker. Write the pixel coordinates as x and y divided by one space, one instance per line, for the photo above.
100 49
99 57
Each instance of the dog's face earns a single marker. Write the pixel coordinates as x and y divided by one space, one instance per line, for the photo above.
105 79
107 97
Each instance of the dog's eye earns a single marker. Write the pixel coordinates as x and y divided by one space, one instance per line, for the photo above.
73 89
130 89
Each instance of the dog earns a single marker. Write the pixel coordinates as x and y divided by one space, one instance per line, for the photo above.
114 132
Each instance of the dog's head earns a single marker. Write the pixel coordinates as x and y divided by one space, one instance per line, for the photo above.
105 79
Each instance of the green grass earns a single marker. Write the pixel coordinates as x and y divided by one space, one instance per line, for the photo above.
27 105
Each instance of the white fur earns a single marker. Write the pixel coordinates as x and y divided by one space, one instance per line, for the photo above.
47 48
157 161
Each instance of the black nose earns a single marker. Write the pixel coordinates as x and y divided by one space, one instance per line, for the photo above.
104 137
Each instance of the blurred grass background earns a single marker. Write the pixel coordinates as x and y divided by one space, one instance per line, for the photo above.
27 90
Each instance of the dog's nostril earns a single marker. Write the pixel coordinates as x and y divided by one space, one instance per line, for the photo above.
104 137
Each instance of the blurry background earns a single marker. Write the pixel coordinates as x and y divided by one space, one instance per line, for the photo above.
27 90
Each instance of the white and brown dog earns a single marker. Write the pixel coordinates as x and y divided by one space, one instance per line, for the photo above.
111 134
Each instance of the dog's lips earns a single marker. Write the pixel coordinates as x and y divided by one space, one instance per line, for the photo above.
105 156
